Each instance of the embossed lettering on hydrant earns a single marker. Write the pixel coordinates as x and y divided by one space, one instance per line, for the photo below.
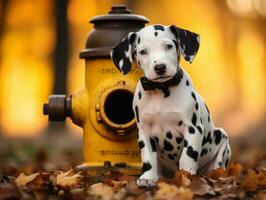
131 153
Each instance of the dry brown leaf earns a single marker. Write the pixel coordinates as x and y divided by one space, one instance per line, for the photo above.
23 179
167 191
67 179
217 173
223 185
254 180
181 178
234 170
101 191
200 186
118 184
118 176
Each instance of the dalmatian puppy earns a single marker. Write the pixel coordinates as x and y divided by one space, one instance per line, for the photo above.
175 128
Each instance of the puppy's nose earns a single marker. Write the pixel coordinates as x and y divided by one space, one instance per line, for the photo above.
160 69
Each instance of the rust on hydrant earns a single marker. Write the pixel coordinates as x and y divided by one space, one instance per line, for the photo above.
104 107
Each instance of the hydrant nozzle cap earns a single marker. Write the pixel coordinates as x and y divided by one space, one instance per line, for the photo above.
119 9
58 107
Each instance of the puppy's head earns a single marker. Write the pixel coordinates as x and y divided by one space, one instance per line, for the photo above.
157 50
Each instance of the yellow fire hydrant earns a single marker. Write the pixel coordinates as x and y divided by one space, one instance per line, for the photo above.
104 107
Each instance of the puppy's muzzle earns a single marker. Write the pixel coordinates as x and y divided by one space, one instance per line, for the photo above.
160 69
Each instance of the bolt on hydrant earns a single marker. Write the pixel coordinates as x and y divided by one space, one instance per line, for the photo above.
104 107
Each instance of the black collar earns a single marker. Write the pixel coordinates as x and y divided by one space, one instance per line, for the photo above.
151 85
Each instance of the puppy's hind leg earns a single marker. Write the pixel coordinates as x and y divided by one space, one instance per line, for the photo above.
223 155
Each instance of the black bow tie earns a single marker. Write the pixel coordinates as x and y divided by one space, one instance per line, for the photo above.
150 85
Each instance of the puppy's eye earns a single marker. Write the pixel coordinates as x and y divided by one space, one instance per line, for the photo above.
168 46
143 52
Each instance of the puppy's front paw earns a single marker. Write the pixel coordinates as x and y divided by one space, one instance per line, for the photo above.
147 183
147 180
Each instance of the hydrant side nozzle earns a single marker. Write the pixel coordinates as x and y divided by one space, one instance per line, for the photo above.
58 107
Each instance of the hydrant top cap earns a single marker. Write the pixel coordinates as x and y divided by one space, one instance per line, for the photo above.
109 30
119 12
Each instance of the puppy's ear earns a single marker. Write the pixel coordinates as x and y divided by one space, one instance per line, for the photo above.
122 53
188 42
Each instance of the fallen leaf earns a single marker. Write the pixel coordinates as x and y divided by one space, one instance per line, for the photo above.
234 170
118 176
223 185
200 186
23 179
118 184
8 191
181 178
217 173
254 180
67 179
101 191
167 191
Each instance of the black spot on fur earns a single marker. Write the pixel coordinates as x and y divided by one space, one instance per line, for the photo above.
146 167
193 154
209 119
207 108
226 162
126 65
175 154
194 119
137 113
170 156
224 151
197 106
218 136
138 40
199 129
187 83
139 95
207 139
153 145
134 54
203 152
167 146
169 135
141 144
158 27
220 164
191 130
179 140
156 139
185 143
178 147
180 123
132 38
194 96
176 45
155 33
139 63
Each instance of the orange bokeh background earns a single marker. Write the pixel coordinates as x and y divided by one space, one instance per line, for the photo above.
229 70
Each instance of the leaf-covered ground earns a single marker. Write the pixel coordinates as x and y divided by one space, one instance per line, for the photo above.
41 169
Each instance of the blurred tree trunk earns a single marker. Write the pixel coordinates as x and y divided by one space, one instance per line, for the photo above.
3 11
61 49
60 59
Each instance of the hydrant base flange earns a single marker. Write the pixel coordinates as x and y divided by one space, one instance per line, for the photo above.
94 170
